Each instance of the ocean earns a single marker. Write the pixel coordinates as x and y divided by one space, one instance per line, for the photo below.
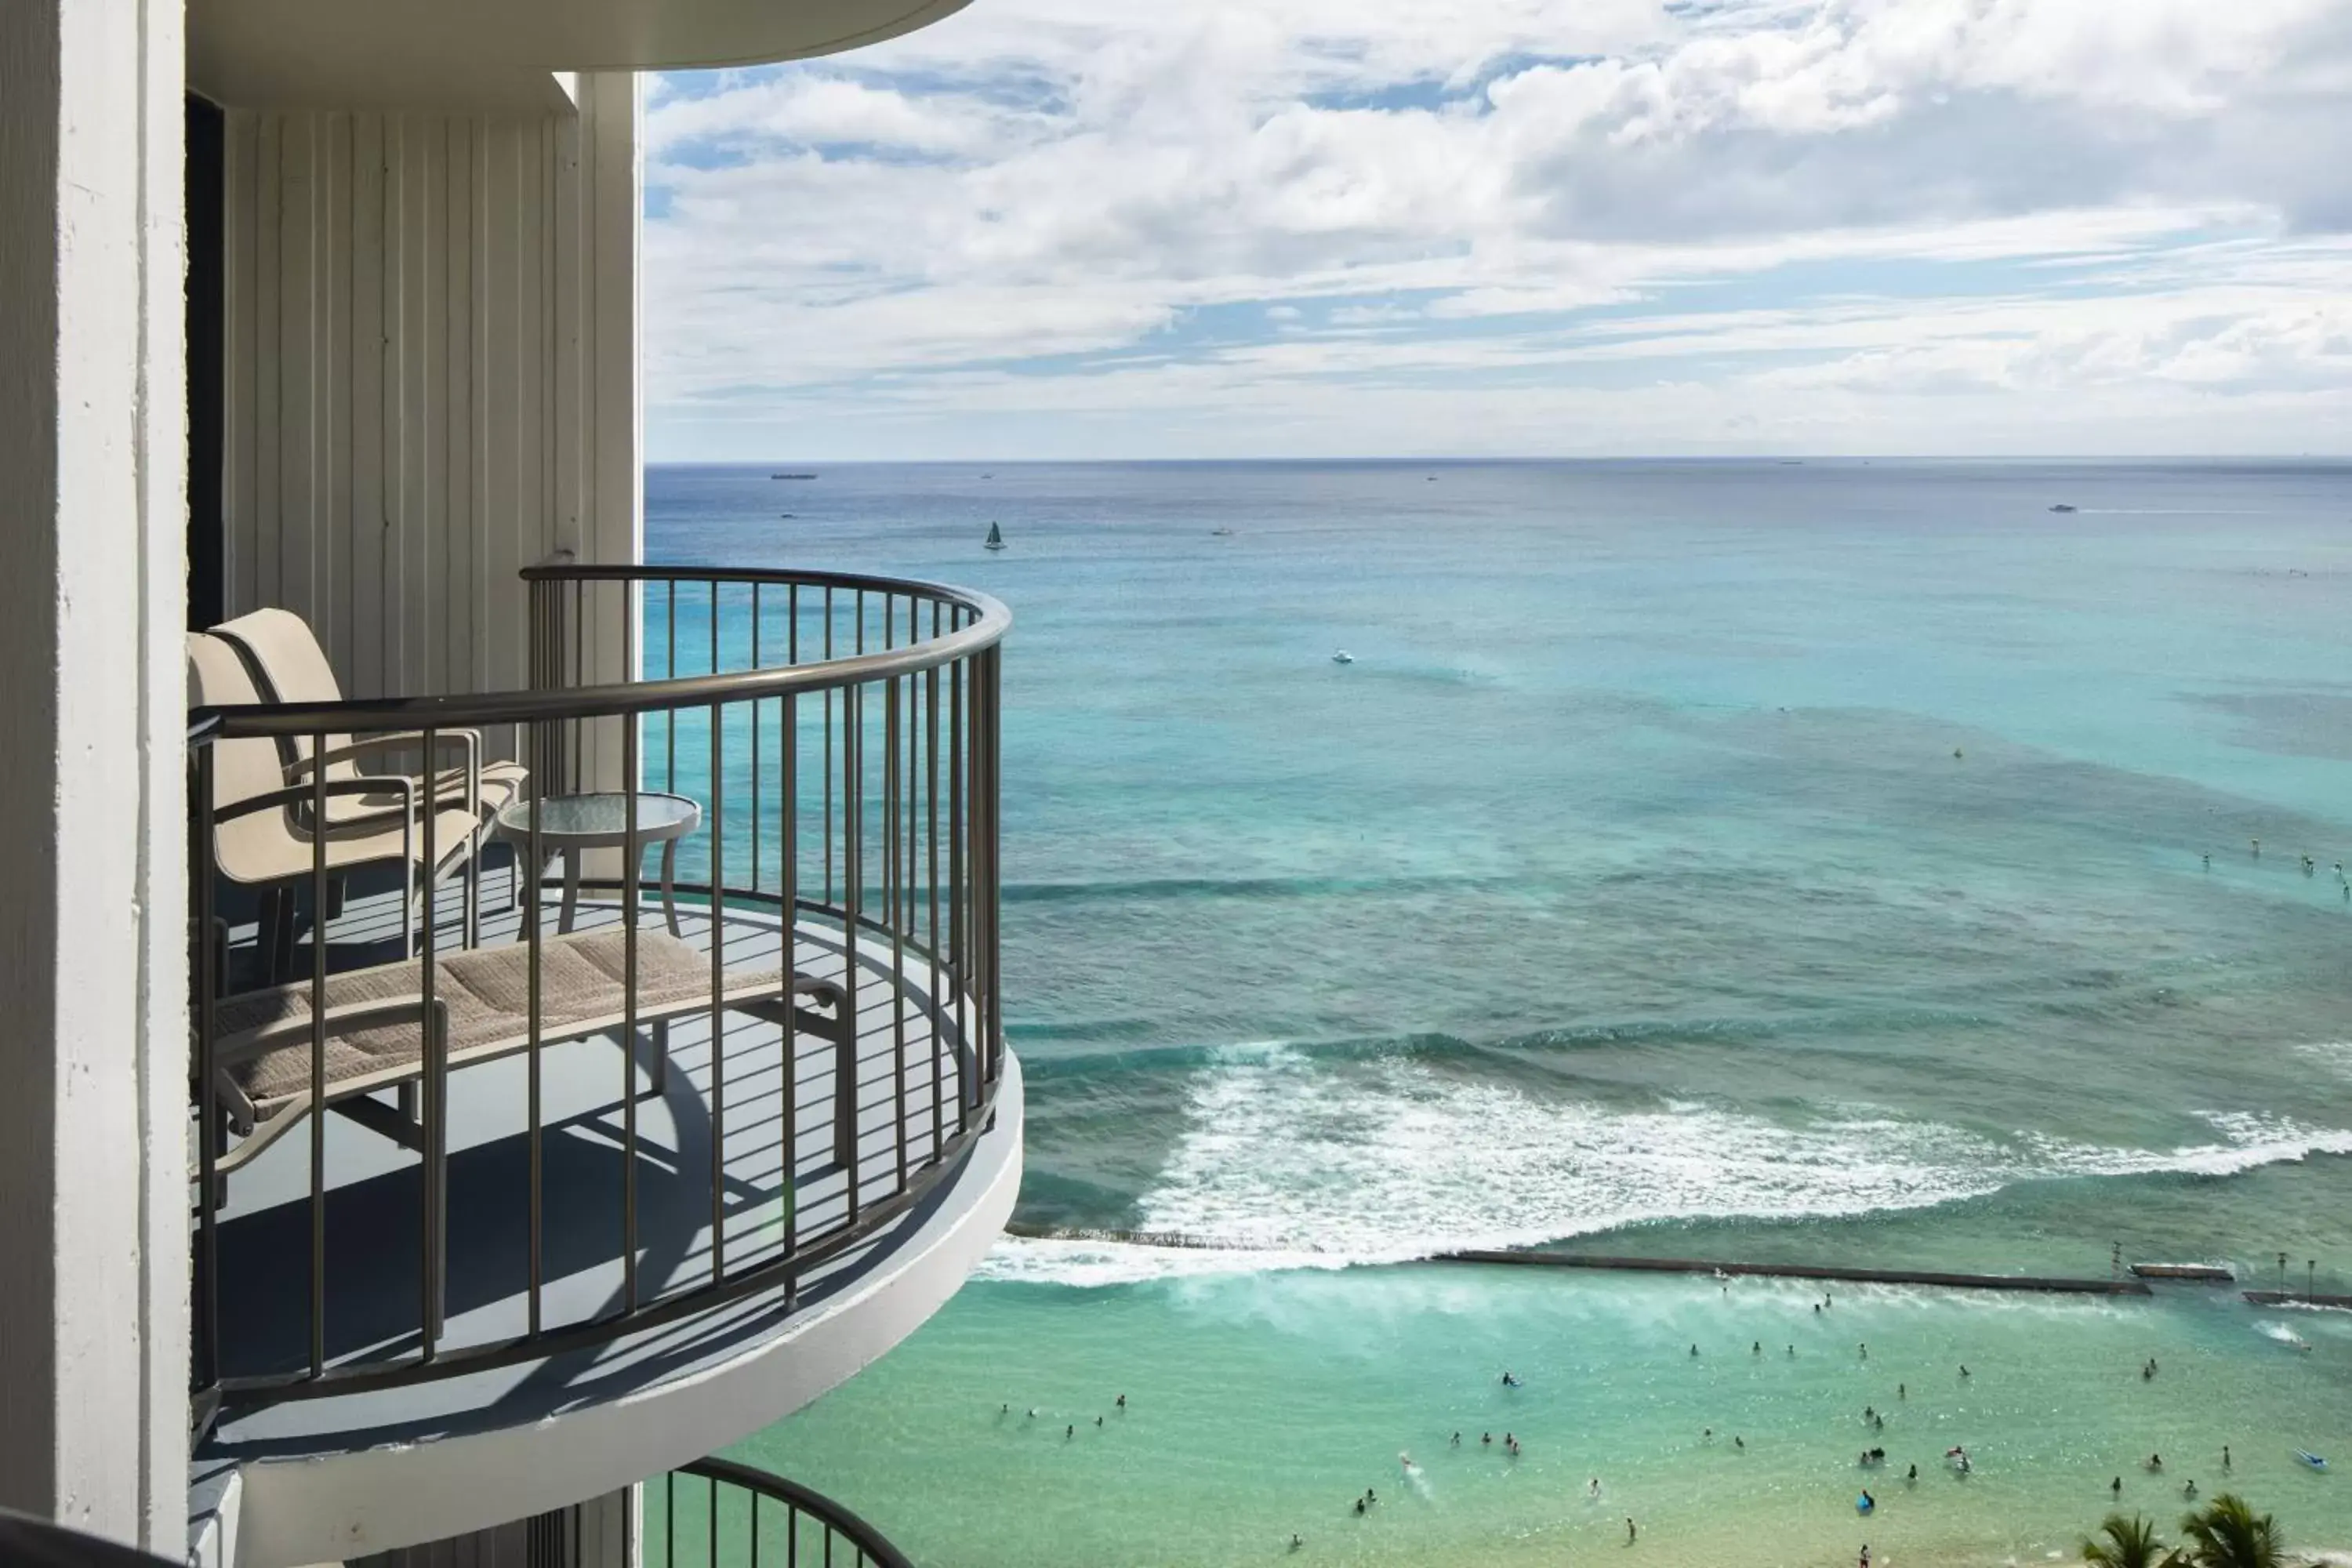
1852 862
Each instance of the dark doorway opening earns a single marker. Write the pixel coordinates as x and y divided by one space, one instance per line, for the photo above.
207 425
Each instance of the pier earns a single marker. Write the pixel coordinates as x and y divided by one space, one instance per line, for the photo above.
2294 1298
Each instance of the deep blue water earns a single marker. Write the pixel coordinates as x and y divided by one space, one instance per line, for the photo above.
1814 852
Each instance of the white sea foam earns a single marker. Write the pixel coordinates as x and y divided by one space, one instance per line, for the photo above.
1290 1162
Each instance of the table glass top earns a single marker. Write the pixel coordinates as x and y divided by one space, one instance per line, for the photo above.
603 814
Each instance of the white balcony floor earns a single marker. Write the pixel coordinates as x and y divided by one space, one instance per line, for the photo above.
908 1055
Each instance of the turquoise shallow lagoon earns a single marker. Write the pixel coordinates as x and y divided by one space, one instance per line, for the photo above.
1260 1405
1842 862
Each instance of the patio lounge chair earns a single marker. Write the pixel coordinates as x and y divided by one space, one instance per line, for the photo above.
374 1021
262 833
289 665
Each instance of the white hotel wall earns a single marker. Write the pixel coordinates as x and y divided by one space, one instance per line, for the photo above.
430 358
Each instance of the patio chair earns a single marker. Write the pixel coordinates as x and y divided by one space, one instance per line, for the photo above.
289 665
263 837
376 1025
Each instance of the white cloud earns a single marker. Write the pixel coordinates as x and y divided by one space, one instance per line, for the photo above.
1852 223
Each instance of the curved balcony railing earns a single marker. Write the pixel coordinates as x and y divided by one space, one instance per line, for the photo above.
807 989
719 1514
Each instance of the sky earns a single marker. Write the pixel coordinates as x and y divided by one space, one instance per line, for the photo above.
1250 228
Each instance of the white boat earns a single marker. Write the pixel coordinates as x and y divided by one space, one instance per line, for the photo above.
1343 657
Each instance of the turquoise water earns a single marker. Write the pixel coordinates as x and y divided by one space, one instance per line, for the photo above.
1701 858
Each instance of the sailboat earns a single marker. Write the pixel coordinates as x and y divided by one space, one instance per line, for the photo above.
995 537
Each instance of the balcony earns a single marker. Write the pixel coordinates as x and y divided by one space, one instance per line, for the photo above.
637 1077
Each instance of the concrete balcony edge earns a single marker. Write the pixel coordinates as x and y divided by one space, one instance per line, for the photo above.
325 1508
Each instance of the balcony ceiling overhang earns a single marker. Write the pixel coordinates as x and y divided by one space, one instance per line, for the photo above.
386 53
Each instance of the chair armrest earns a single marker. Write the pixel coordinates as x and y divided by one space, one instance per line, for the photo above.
468 740
299 795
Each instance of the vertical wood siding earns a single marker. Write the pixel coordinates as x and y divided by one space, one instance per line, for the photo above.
427 316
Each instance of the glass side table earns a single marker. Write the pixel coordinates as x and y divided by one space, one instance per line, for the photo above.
572 825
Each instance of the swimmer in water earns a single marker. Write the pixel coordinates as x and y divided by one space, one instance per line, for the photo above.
1485 1439
1098 1420
1069 1432
1122 1402
1864 1349
2156 1461
1793 1350
1371 1496
1295 1542
1756 1348
1457 1440
1694 1350
1964 1369
1902 1391
1912 1474
2225 1456
1708 1436
1405 1461
2116 1488
1592 1488
1738 1443
2188 1488
1359 1505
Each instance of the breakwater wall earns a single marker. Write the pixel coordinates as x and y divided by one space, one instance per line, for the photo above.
1533 1259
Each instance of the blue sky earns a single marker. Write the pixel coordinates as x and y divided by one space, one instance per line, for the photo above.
1043 228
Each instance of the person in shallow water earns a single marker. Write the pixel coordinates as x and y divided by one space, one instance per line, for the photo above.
1913 1474
1629 1530
2156 1461
2116 1488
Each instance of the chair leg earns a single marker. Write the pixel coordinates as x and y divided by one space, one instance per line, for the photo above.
657 1069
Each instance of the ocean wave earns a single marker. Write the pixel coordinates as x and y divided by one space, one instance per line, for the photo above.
1284 1162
